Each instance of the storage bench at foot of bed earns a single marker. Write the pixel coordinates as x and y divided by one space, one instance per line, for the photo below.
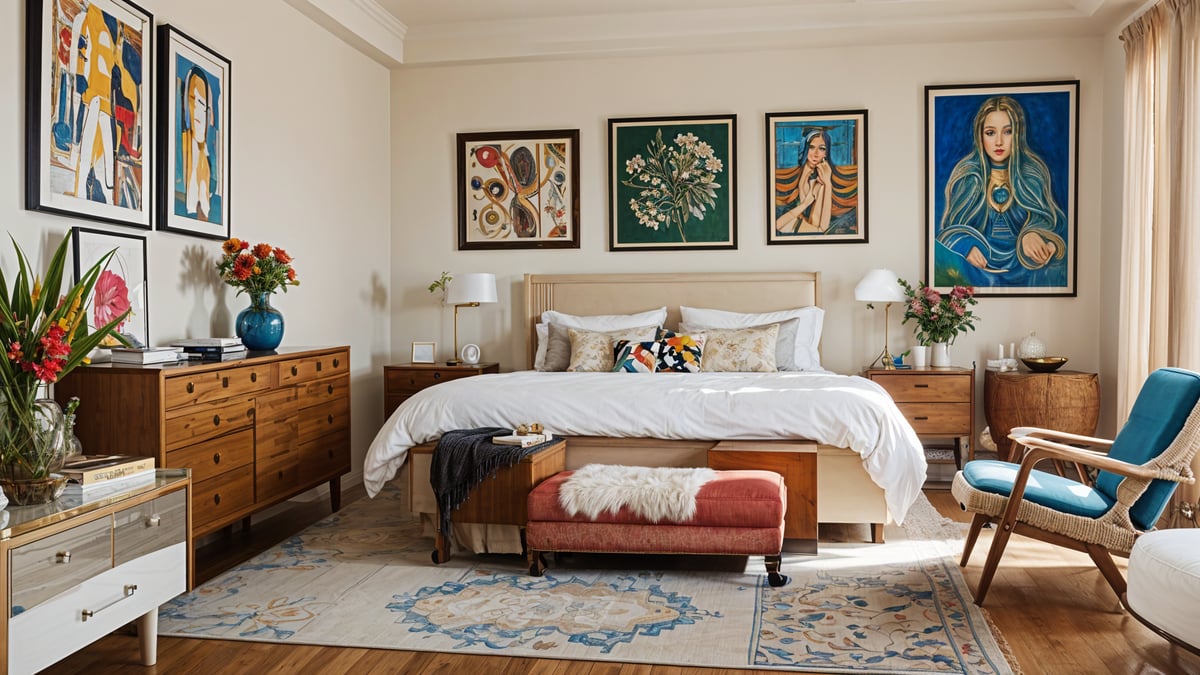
740 512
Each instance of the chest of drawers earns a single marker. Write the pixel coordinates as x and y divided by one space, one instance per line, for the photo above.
937 402
254 432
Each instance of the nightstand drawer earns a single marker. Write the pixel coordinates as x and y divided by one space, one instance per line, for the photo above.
150 526
45 568
925 388
952 419
411 381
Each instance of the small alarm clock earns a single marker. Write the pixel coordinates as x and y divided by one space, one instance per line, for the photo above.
470 354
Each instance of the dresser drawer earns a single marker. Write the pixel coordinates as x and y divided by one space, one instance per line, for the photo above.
149 526
324 419
214 457
45 568
952 419
325 457
277 474
926 388
209 420
216 501
321 391
409 382
205 387
275 404
310 368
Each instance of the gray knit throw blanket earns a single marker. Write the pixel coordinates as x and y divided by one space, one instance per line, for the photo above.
465 458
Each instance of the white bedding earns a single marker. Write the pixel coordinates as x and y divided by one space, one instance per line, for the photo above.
838 410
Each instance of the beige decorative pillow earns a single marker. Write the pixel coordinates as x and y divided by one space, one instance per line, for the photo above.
741 350
592 352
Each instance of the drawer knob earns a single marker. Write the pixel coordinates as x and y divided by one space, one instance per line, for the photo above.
191 388
62 557
216 499
153 521
336 363
280 475
330 419
318 366
216 420
330 389
437 376
295 371
225 382
254 377
216 458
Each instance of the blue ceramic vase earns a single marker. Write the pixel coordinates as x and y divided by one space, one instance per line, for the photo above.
260 326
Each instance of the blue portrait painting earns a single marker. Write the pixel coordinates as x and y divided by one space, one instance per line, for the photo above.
1002 180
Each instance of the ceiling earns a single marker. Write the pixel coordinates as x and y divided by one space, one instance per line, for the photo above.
463 31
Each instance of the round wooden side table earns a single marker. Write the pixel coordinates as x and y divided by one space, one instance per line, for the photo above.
1065 400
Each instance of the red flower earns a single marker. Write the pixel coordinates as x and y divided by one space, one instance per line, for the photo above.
282 256
291 274
111 299
48 370
262 250
53 345
14 352
243 267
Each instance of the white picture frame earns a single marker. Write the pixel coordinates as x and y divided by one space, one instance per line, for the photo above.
424 352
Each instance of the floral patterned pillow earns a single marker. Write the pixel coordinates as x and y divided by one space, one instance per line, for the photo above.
592 352
740 350
635 357
679 353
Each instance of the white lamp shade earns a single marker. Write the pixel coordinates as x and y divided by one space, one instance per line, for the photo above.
879 285
471 287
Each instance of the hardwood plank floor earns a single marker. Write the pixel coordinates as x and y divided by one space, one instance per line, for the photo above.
1053 607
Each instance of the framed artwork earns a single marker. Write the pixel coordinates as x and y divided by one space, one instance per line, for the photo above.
672 183
424 352
122 284
817 162
1001 179
87 102
518 189
193 127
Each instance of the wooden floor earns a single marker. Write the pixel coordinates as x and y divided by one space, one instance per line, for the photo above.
1053 607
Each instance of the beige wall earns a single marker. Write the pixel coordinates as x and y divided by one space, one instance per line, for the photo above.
430 105
310 172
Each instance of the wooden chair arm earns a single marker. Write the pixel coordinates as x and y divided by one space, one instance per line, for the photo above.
1037 432
1040 448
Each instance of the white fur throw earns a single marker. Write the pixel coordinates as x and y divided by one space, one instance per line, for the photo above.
655 493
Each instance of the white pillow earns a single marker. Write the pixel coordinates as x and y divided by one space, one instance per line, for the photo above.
808 328
599 322
543 341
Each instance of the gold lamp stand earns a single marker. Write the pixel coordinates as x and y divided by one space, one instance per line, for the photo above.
888 362
457 359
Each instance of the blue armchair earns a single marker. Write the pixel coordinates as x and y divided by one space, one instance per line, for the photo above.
1137 473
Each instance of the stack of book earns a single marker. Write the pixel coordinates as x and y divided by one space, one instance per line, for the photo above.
145 355
212 349
88 474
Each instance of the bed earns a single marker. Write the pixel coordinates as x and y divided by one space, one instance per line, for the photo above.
870 463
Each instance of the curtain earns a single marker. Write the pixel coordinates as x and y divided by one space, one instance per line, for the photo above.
1160 244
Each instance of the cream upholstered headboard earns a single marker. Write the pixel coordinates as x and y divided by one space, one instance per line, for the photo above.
628 293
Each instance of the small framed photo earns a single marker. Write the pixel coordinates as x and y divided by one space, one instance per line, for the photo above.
518 189
121 285
194 141
424 352
672 183
817 164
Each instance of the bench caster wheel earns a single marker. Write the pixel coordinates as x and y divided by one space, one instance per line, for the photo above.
437 559
776 579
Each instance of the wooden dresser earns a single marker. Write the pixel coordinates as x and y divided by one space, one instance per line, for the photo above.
254 431
937 402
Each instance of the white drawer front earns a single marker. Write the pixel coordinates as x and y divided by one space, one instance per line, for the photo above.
44 568
56 627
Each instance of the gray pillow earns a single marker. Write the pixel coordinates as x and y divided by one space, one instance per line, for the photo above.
785 344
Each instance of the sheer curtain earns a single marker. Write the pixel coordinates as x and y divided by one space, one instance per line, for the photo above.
1160 265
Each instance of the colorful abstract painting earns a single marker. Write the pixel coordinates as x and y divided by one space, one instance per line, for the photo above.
818 165
518 189
1001 187
121 285
672 183
88 110
193 172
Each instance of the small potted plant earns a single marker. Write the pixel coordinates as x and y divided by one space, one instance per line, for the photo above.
940 317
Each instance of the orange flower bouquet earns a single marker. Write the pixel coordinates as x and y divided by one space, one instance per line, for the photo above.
257 270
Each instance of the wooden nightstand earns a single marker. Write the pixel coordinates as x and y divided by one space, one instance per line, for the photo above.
937 402
1064 400
405 379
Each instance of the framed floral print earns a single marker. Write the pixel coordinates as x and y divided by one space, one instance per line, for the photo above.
120 286
194 140
672 183
518 189
817 177
1001 179
88 150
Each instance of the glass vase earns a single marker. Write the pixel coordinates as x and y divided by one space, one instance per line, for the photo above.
32 449
260 326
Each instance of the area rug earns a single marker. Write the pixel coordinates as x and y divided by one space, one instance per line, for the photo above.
363 578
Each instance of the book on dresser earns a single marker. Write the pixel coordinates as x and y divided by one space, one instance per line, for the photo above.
112 486
88 470
209 342
144 355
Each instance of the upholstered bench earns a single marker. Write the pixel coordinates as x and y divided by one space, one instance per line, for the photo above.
1164 584
737 513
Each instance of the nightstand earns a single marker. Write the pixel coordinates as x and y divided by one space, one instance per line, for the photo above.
1064 400
937 402
403 380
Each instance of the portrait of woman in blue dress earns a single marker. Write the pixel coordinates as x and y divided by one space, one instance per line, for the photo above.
1001 224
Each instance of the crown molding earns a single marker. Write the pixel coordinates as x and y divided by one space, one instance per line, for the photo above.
363 24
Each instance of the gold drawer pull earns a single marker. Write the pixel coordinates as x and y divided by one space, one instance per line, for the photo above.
216 420
153 521
127 592
225 382
336 363
254 377
62 557
330 389
191 388
295 371
216 458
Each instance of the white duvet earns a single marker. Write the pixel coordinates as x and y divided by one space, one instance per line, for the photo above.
839 410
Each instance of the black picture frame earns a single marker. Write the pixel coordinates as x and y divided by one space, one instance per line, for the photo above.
89 153
518 190
193 176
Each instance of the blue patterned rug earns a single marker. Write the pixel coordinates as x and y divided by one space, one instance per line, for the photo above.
363 578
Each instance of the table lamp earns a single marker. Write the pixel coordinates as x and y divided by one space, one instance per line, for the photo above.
469 290
881 285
